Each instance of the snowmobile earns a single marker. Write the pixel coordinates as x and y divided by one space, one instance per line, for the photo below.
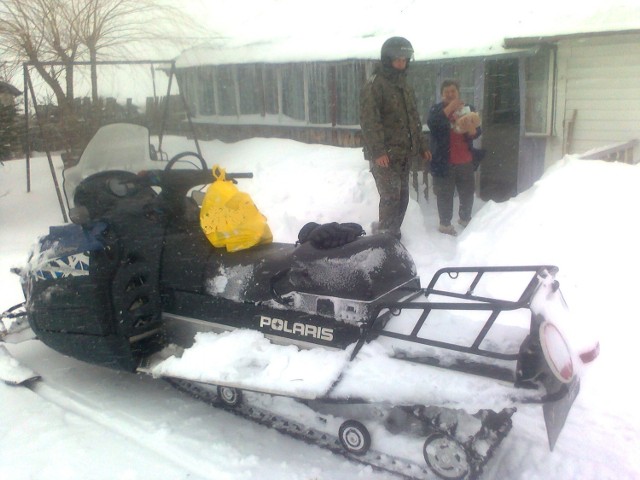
334 343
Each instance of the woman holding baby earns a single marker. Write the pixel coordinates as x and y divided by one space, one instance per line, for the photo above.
453 125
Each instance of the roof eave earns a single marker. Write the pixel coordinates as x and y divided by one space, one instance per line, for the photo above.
523 42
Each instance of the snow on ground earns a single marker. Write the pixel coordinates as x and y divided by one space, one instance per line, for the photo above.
84 421
246 359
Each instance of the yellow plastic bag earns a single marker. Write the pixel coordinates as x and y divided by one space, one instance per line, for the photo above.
229 218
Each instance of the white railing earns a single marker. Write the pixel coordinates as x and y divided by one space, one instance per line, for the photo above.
620 152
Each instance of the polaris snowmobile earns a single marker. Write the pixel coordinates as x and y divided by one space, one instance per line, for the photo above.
332 339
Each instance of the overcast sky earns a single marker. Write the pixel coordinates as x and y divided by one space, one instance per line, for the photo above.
242 31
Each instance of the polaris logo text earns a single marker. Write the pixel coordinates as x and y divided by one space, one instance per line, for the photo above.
297 328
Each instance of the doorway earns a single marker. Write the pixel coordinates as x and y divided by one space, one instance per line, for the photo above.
500 131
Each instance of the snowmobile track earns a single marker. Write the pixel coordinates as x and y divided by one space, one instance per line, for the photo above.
377 460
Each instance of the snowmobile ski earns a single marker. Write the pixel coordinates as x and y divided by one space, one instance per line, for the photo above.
14 328
14 325
12 372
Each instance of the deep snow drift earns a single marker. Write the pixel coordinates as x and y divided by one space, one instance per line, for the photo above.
88 422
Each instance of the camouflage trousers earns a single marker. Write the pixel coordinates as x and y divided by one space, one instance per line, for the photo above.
392 183
461 178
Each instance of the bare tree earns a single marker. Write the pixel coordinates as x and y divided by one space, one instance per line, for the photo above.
33 31
66 31
109 27
64 42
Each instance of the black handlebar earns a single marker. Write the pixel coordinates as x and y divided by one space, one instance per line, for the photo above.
240 175
185 179
176 183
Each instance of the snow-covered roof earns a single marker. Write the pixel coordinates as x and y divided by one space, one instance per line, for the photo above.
278 31
289 50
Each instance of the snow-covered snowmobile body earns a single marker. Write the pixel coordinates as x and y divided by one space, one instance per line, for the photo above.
134 276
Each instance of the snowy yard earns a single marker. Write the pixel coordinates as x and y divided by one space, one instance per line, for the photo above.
83 421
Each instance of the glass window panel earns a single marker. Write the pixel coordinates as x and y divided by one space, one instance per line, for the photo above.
502 104
423 77
205 93
187 83
349 80
250 88
293 91
270 85
537 101
465 74
226 90
319 96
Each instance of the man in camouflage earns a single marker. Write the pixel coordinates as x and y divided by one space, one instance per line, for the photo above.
391 132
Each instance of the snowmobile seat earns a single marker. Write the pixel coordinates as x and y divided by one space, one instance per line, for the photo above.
246 275
363 269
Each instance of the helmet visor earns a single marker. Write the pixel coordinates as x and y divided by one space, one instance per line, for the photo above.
399 51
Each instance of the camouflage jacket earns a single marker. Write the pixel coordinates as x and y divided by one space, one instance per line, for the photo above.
389 117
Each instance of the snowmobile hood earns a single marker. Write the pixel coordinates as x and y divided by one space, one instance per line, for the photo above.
120 146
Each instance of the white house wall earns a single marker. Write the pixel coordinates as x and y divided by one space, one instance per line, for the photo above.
599 79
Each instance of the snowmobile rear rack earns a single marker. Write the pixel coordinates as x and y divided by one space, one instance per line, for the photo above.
467 300
454 272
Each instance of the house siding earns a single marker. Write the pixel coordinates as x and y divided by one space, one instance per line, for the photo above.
598 82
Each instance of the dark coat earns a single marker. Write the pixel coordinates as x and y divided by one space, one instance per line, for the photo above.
440 128
389 117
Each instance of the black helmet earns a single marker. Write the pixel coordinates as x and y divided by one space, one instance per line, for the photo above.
396 47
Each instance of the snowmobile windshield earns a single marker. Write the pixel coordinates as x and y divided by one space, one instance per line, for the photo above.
120 146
